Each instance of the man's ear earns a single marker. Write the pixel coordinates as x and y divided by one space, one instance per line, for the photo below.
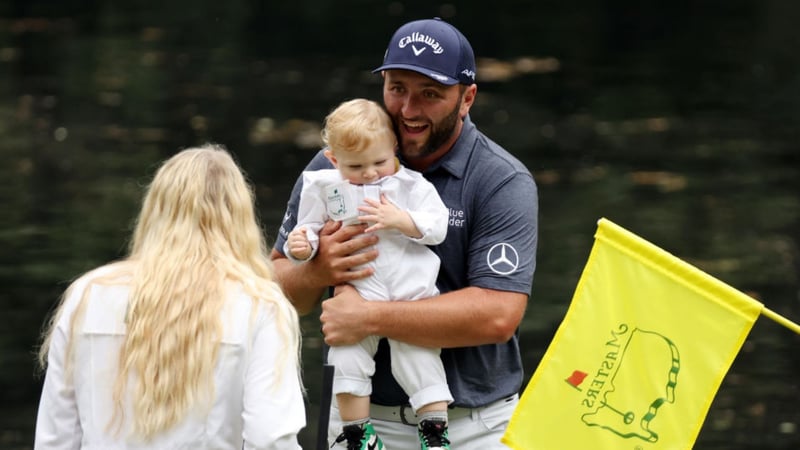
329 154
467 99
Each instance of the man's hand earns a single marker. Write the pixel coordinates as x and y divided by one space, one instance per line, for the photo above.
344 317
340 250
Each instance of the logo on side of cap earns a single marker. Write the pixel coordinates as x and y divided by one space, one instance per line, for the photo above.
435 46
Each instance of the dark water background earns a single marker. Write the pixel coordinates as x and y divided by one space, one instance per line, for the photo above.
676 120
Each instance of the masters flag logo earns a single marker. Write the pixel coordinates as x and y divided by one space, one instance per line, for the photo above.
616 398
639 356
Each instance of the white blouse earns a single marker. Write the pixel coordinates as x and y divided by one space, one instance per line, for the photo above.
252 409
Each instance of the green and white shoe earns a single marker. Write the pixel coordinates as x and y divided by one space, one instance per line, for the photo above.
433 435
360 437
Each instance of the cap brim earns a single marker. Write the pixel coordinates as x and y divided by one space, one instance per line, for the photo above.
435 76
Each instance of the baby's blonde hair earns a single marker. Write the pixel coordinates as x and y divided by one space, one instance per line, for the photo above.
196 236
355 125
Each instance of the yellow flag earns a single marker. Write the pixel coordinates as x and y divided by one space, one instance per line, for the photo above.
639 355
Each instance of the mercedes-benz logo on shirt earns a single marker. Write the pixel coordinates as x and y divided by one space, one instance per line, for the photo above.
502 259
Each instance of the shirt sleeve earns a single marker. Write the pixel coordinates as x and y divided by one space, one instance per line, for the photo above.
274 411
502 251
290 216
428 212
58 422
311 214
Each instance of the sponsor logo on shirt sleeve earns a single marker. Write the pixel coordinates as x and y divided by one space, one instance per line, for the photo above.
503 259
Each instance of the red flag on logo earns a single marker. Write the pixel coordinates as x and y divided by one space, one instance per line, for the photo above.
576 378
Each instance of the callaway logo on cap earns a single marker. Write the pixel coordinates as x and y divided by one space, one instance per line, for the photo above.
433 48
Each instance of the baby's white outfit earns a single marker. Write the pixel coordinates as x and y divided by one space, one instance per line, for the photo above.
405 269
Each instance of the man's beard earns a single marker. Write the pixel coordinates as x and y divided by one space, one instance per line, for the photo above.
440 133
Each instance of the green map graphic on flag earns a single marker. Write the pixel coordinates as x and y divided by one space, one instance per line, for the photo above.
623 403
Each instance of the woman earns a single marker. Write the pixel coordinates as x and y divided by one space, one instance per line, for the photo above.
185 343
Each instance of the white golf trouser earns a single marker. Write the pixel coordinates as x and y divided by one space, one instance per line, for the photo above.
418 370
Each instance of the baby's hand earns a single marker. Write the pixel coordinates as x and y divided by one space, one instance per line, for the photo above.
298 244
379 214
384 214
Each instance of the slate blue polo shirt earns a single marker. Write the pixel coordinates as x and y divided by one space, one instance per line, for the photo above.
491 243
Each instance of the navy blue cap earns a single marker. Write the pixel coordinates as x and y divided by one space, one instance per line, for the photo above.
433 48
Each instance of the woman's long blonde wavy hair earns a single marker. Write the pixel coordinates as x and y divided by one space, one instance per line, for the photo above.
197 232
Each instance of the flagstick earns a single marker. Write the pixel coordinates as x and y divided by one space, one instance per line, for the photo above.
781 320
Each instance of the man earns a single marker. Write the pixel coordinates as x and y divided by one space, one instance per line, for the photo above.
488 257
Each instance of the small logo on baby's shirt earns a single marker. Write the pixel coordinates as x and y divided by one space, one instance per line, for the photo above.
342 199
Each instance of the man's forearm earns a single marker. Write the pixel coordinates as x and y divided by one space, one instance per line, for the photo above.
297 283
467 317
